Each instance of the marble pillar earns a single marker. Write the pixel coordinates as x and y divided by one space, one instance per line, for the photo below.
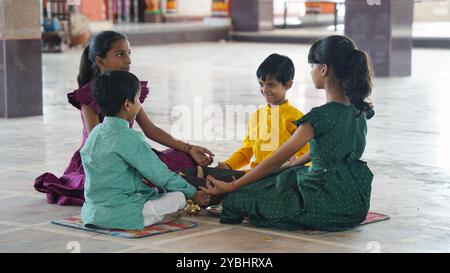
384 30
251 15
20 59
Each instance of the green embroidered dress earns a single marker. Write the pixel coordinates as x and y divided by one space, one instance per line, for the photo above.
333 194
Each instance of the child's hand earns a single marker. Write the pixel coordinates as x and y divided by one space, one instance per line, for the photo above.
290 162
201 155
201 198
214 186
222 165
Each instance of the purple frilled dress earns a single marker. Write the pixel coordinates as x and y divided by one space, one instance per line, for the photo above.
69 189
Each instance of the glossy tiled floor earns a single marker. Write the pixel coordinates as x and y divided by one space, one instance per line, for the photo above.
408 150
419 30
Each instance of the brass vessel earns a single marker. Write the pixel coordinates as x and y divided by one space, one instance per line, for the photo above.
192 209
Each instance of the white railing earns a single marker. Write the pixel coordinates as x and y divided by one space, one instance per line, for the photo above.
337 4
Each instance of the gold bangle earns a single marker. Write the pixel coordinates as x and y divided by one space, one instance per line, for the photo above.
187 147
233 184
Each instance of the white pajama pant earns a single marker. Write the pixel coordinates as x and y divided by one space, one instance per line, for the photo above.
155 210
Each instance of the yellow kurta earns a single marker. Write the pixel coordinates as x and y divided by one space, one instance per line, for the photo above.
268 129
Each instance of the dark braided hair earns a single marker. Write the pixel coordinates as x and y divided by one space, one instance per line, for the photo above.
352 68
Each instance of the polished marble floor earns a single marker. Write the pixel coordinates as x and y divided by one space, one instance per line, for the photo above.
407 148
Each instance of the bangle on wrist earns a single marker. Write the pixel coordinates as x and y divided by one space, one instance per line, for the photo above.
187 148
226 165
233 185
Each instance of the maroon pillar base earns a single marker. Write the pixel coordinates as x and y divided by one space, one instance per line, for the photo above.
384 31
20 78
251 15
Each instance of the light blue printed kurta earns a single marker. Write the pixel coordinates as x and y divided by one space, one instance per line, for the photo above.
116 159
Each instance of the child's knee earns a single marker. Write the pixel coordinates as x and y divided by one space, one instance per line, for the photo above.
178 198
230 215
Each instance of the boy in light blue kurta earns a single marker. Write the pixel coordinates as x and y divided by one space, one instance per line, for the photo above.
116 159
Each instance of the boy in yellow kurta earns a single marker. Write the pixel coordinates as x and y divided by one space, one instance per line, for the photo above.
271 125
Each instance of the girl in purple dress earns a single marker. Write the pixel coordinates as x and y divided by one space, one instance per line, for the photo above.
110 50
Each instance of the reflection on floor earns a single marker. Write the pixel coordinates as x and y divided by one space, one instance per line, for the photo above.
425 35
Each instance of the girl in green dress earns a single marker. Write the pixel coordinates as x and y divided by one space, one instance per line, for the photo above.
334 193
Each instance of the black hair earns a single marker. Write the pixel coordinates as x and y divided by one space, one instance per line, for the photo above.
278 66
99 45
112 88
351 66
